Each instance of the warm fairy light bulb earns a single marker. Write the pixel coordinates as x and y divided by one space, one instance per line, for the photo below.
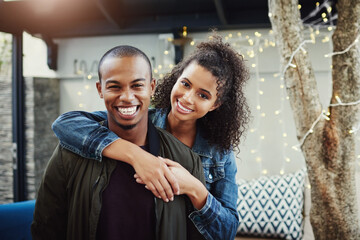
89 76
338 99
155 71
276 74
330 28
226 38
282 172
87 87
284 135
271 31
264 171
325 20
262 79
281 86
358 156
261 49
239 34
261 92
287 159
258 159
311 131
257 34
262 137
258 107
251 42
79 93
317 32
230 35
317 4
166 52
308 186
323 15
160 67
286 144
351 131
81 105
252 130
270 15
192 43
184 31
277 112
263 114
253 65
171 66
161 75
287 98
299 6
253 151
325 39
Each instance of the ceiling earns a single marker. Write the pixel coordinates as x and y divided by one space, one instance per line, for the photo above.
82 18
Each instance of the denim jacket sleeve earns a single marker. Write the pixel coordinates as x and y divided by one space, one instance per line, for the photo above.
218 219
81 133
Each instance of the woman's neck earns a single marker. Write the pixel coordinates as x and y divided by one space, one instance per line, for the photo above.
185 131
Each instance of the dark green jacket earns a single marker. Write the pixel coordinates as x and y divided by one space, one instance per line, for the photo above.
68 204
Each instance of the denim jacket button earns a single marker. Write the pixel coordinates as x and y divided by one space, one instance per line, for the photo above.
210 176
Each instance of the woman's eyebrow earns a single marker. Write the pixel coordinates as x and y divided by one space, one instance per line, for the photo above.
202 89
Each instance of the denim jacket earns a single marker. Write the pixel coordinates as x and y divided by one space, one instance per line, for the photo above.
218 219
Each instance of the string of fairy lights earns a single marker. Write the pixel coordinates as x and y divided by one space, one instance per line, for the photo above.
251 46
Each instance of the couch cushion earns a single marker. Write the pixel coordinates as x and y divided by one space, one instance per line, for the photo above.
272 206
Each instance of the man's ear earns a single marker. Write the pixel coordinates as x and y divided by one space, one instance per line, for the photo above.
153 86
98 86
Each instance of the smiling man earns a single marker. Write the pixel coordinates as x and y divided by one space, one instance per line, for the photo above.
80 198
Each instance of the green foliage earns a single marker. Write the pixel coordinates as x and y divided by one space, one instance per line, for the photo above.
5 54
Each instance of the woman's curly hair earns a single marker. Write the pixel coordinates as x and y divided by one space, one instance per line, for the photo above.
225 125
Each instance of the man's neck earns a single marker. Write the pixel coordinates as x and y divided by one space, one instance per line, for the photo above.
136 135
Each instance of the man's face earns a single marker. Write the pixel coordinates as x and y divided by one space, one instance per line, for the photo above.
126 89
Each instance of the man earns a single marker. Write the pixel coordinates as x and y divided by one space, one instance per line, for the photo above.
84 199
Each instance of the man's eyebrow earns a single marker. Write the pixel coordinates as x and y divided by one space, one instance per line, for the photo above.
202 89
138 80
111 81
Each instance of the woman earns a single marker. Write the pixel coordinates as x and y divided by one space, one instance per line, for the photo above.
207 111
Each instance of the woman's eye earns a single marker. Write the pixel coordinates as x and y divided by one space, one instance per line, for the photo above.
203 96
185 84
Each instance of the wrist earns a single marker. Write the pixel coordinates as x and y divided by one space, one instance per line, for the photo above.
198 194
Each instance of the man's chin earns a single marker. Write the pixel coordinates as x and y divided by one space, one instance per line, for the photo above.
127 127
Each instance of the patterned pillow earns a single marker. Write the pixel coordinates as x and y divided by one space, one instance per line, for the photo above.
272 206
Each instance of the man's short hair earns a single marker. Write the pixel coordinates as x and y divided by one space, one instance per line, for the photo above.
124 51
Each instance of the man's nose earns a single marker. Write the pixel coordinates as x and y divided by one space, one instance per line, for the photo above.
127 95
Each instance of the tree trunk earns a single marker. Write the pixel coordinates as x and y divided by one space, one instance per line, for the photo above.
329 150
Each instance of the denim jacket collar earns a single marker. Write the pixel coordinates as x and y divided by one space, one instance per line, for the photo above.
201 146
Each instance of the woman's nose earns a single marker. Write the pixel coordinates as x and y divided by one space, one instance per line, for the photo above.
188 97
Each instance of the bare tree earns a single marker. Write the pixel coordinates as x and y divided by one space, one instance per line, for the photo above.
329 150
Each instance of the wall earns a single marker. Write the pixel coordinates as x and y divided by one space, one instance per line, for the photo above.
256 157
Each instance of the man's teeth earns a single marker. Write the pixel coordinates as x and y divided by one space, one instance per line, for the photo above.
183 108
127 111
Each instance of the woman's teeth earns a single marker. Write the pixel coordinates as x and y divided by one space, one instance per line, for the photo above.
183 108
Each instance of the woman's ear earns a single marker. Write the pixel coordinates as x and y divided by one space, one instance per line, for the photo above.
215 106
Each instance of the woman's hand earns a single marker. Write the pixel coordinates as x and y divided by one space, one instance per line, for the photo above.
188 184
152 170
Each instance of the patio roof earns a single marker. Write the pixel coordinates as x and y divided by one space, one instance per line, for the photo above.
81 18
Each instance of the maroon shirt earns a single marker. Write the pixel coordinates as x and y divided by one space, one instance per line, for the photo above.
128 208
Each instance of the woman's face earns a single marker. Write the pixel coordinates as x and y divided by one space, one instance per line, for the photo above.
194 93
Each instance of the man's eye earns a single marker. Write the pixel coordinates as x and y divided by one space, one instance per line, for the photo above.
138 85
113 86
